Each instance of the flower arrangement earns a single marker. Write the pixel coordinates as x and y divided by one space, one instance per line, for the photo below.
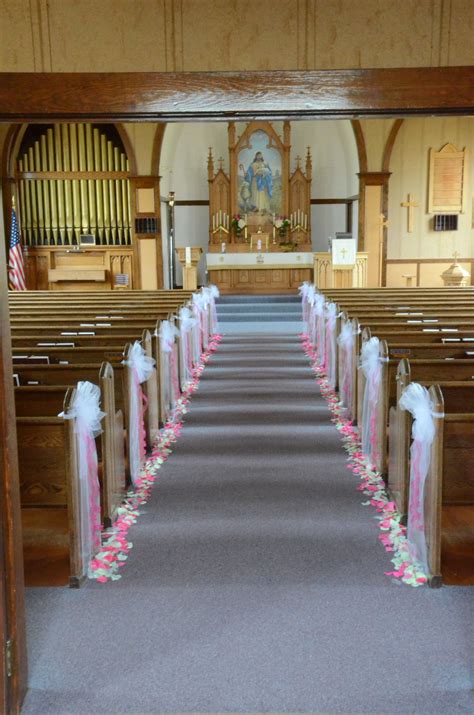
238 223
281 223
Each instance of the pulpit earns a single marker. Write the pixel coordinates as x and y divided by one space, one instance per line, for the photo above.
335 270
189 258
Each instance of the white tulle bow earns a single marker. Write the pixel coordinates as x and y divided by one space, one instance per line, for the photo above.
214 291
303 290
199 301
186 320
86 409
369 357
318 303
311 295
138 360
331 313
167 334
346 336
416 400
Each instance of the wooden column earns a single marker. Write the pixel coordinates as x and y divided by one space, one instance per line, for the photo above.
146 232
12 607
373 192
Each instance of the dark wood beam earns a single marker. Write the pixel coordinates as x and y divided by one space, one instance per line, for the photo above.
164 96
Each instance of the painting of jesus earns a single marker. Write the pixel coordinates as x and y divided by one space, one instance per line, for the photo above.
259 177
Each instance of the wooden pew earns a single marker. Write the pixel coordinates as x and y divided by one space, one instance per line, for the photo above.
458 396
49 489
449 497
47 401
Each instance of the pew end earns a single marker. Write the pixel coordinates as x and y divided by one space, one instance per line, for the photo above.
48 465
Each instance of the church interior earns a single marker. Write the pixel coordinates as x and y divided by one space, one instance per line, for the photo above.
236 278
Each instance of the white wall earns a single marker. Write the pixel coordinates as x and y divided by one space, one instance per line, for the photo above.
409 166
183 169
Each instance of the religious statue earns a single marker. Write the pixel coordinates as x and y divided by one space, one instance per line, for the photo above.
257 187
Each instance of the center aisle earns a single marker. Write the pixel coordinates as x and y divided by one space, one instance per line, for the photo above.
256 582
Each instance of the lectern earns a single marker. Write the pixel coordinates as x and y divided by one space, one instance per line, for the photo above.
189 258
342 268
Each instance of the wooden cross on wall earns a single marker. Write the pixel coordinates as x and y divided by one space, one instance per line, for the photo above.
410 205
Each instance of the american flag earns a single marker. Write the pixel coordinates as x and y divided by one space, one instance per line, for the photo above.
16 268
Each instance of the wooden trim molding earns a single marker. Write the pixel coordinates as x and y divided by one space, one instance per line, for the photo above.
157 147
155 96
387 154
360 142
375 178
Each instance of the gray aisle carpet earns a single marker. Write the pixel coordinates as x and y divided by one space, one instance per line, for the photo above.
256 580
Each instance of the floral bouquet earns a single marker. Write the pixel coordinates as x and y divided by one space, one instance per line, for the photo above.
238 223
282 223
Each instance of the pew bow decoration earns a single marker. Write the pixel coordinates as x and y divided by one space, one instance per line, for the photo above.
87 415
187 323
346 344
319 328
330 347
372 368
141 367
303 291
416 400
170 373
200 305
211 293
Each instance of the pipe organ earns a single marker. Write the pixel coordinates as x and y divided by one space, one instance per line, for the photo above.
73 179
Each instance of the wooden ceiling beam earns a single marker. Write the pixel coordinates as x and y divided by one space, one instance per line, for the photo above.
36 97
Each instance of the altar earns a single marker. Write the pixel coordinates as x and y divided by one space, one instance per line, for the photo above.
253 273
259 213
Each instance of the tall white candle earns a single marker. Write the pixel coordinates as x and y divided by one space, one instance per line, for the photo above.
223 246
259 245
188 255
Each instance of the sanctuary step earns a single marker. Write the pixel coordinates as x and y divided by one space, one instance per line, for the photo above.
265 313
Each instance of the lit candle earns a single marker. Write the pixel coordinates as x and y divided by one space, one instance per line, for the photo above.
220 217
259 245
223 246
213 222
306 221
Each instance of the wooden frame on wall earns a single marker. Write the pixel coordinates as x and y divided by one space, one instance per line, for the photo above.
447 192
223 96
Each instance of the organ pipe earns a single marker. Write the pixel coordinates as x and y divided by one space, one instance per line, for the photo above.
71 181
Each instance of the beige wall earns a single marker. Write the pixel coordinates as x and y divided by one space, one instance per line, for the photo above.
166 35
409 167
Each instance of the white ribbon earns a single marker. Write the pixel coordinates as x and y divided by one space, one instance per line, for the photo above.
330 352
169 366
141 367
319 328
87 416
303 291
201 301
186 325
167 335
416 400
346 345
211 293
372 369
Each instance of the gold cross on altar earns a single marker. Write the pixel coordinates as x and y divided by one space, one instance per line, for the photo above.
410 205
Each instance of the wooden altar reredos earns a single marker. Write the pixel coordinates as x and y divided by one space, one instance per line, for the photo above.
280 215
